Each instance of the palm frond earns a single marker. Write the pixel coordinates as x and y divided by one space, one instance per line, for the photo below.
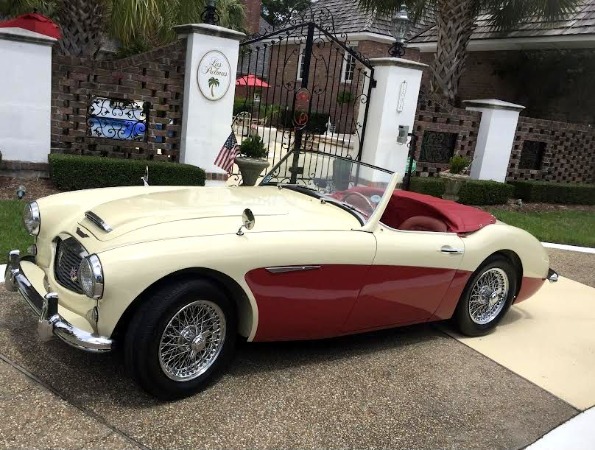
504 14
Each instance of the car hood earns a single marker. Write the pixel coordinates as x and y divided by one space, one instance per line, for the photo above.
209 211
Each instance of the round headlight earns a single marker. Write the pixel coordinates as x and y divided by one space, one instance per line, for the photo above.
91 277
32 218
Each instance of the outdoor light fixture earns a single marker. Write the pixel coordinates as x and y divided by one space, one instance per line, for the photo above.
21 191
400 28
210 15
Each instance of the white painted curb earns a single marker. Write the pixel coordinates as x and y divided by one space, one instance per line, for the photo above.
577 433
572 248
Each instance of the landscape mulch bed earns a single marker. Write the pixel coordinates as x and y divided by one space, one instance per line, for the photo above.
35 188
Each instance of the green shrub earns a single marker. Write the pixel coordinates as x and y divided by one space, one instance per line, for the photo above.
458 164
480 192
473 192
253 147
241 104
71 172
563 193
345 97
429 186
316 121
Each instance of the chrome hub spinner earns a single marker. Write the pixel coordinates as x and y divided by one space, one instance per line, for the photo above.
192 340
488 296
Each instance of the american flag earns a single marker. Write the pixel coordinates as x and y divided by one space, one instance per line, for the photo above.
227 153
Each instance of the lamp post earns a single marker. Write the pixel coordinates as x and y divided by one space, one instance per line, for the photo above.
400 27
210 15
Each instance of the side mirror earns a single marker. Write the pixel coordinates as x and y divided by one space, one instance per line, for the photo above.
248 221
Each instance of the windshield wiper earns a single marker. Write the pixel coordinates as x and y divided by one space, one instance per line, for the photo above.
312 192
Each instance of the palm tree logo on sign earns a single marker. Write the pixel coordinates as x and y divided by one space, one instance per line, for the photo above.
214 75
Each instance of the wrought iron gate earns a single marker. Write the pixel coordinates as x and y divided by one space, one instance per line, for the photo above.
303 87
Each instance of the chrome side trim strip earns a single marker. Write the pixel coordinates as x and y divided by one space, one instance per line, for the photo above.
98 221
285 269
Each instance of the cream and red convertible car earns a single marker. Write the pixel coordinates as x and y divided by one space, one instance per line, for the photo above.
326 247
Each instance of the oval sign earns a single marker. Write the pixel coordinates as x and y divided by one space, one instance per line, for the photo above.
214 75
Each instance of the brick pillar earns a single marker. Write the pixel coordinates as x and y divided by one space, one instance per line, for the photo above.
495 138
25 95
253 10
212 51
392 104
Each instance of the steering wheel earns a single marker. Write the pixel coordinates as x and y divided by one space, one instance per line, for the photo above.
361 202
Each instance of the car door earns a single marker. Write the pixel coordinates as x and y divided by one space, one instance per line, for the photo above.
306 284
408 278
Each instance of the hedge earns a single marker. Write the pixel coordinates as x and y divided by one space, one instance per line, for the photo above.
72 172
473 192
317 121
563 193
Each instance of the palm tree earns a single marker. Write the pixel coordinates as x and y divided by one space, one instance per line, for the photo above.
455 20
137 24
213 82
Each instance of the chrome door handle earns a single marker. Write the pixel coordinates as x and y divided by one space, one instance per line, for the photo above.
452 251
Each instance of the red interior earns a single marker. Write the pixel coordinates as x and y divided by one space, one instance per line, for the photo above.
404 205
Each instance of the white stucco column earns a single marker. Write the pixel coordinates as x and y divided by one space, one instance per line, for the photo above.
393 103
211 54
495 138
25 95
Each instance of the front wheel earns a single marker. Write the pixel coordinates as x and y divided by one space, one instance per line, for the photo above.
180 339
486 297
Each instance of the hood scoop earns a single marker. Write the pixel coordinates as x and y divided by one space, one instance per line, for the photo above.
98 221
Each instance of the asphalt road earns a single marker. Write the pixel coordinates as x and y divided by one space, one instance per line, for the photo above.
413 387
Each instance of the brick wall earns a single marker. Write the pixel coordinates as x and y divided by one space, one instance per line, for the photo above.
568 156
156 77
435 116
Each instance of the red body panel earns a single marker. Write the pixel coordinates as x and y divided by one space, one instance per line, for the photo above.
304 305
326 302
529 287
449 303
398 295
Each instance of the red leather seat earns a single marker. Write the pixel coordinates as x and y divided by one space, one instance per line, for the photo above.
423 223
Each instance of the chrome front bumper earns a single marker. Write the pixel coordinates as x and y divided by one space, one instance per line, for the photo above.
46 308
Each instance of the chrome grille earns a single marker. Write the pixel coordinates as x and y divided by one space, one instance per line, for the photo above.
69 254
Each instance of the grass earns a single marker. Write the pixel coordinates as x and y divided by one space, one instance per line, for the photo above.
12 234
560 227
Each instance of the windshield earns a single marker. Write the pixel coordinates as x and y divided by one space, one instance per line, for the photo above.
352 185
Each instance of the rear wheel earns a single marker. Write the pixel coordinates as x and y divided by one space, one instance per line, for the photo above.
486 297
180 339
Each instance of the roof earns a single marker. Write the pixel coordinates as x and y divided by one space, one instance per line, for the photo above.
34 22
579 23
348 17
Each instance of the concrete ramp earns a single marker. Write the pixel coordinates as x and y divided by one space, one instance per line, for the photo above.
549 340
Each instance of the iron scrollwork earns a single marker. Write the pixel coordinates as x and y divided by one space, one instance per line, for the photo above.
124 120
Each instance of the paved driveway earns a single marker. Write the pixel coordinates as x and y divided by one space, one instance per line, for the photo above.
413 387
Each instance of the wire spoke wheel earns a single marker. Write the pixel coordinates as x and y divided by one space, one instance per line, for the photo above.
192 340
488 296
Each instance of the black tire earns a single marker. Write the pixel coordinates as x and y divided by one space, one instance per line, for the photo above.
182 308
480 307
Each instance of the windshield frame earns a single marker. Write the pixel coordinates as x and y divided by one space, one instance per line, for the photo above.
371 205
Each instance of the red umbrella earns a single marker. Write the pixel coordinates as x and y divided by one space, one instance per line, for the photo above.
251 80
34 22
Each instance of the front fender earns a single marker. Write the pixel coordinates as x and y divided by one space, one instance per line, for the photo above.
130 270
